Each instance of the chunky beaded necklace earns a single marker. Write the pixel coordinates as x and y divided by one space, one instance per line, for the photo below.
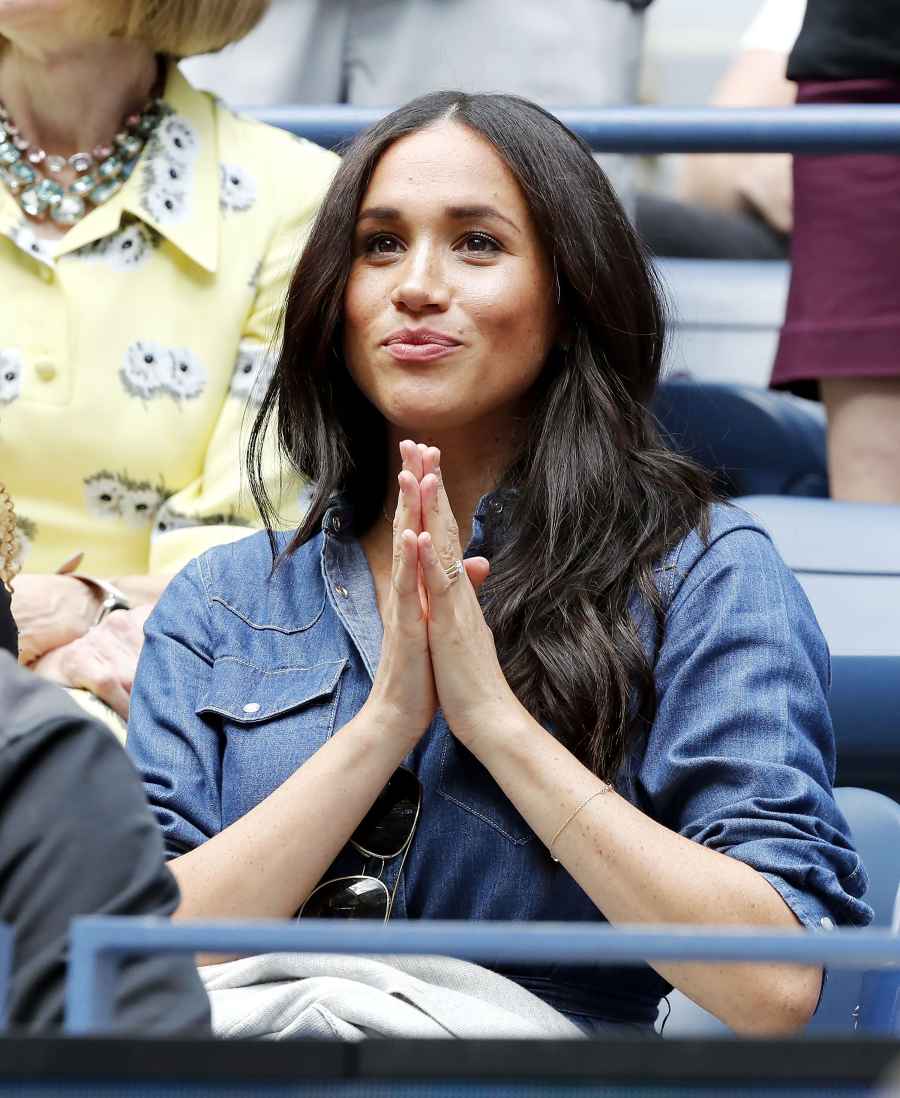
28 171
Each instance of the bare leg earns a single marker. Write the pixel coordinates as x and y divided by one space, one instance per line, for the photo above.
863 438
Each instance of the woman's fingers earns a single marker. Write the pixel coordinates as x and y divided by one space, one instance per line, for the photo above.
477 569
437 517
406 560
412 457
438 583
408 515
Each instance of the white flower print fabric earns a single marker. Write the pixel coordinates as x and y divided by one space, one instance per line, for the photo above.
23 236
168 170
116 496
11 370
185 375
253 371
149 370
169 518
237 188
126 250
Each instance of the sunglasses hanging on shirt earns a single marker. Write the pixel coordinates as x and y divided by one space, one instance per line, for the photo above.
385 832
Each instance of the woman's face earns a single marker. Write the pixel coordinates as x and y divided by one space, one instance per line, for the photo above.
62 19
449 308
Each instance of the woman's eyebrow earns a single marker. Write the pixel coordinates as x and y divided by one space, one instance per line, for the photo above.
379 213
456 213
476 213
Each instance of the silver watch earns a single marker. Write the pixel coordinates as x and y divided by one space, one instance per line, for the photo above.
111 598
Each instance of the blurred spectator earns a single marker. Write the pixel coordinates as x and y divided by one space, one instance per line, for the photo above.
142 284
842 329
78 839
735 205
759 182
571 53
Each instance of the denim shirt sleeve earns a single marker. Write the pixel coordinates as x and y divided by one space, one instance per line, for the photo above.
175 751
741 754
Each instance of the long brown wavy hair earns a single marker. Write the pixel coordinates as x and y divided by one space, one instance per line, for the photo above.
596 498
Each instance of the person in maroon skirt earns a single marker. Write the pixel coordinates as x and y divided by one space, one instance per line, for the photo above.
841 337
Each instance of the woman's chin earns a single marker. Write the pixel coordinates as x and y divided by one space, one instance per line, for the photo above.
419 419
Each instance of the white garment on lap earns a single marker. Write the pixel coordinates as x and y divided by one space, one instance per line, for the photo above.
324 995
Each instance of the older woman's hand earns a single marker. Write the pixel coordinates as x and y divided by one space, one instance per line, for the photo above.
471 687
103 661
50 611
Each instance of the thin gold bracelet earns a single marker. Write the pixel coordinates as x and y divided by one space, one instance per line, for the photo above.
584 804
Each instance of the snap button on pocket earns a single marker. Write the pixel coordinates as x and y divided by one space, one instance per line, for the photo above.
342 591
280 691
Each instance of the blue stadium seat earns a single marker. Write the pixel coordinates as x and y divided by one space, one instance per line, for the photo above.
869 999
851 999
755 441
724 317
847 557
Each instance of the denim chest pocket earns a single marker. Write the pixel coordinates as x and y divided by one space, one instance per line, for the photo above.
253 698
469 785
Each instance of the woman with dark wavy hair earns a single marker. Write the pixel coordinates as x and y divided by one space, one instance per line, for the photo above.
607 703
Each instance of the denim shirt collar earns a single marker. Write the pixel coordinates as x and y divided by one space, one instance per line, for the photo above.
348 579
337 521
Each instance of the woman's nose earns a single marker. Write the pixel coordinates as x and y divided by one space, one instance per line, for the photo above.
421 283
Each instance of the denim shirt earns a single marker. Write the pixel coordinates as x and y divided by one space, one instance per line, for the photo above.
244 674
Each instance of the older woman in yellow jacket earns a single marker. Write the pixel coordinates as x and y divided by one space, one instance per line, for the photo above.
146 235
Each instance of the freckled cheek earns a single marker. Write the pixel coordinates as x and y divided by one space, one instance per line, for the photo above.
511 315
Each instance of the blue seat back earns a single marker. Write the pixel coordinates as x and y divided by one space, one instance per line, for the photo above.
724 317
847 557
754 441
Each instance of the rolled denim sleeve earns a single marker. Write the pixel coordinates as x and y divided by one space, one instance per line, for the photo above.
176 752
741 754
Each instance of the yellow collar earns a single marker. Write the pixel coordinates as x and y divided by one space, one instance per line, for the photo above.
174 187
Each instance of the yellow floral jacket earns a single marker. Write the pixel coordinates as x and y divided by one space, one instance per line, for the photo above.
134 349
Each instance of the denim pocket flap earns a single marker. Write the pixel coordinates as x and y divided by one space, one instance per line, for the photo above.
249 695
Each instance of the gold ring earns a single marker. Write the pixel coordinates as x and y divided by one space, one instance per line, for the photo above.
454 570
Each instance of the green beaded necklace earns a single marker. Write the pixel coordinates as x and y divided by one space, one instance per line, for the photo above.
28 171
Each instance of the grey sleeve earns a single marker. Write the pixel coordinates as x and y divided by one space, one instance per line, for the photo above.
78 839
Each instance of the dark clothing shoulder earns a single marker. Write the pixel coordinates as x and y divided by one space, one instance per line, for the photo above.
847 40
9 635
78 839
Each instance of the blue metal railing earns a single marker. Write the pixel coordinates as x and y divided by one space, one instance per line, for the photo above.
98 946
803 129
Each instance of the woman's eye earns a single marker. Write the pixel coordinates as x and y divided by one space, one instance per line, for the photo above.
480 244
382 245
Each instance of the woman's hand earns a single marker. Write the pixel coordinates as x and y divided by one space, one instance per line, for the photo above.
403 692
471 687
51 611
103 661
